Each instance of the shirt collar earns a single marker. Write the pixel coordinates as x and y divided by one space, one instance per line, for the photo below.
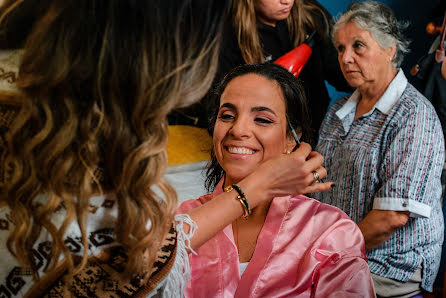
385 103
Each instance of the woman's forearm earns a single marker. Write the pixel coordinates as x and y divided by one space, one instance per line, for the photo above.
285 175
379 225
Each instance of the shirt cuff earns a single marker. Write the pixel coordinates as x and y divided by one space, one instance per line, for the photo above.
416 208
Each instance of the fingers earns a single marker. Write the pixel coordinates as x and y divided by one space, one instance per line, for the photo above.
322 172
313 169
294 173
318 187
319 174
304 150
314 161
310 160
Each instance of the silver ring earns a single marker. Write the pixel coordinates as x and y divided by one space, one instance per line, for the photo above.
316 177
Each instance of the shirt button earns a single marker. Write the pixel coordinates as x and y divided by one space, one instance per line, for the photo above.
405 204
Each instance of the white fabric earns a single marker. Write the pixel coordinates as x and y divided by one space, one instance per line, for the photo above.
384 104
243 267
188 180
175 282
417 209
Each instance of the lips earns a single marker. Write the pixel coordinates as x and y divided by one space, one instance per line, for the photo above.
240 150
349 70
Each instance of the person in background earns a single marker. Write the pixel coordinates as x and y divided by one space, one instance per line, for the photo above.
261 31
85 89
288 246
384 149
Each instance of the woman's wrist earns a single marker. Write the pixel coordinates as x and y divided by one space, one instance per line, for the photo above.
256 188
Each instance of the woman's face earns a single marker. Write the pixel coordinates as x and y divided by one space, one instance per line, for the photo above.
271 11
251 126
363 61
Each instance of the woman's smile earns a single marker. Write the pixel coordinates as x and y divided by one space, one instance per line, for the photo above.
240 150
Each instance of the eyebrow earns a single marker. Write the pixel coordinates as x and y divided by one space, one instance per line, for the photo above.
254 109
261 109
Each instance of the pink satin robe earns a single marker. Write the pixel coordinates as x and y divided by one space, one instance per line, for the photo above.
305 249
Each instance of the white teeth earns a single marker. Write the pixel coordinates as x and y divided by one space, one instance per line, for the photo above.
240 150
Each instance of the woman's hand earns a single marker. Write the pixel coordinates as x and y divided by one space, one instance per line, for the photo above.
281 176
291 173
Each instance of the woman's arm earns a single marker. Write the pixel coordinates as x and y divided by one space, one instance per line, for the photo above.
410 175
379 225
284 175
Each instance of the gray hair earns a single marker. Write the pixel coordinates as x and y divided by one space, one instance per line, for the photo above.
382 24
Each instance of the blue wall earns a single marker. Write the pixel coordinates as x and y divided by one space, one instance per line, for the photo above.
417 12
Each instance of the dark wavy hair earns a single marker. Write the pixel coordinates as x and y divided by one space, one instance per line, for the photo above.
97 80
295 105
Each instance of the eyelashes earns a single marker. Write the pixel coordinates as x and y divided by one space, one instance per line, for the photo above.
357 45
226 117
263 120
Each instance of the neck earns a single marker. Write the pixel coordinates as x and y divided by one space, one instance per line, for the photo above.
374 90
246 231
370 94
260 211
267 22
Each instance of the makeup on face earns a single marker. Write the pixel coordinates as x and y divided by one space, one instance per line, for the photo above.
251 125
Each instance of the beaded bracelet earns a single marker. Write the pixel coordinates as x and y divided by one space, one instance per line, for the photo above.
241 198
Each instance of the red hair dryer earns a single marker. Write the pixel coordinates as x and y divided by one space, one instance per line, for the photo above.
295 59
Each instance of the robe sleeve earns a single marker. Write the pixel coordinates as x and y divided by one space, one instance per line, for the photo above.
344 277
343 270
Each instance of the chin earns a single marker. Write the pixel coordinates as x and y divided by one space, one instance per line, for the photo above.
354 83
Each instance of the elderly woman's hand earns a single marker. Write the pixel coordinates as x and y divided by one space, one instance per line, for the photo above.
299 172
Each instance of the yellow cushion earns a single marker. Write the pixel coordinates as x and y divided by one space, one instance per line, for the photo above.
188 144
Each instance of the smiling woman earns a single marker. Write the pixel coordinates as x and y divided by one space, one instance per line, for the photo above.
251 126
257 107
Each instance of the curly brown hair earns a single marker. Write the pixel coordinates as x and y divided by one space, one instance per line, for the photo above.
96 80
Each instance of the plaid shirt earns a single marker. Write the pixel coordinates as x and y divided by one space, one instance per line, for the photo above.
390 158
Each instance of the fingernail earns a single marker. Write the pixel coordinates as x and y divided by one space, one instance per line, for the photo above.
333 185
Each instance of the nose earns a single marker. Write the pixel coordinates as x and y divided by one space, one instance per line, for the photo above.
286 2
240 128
346 56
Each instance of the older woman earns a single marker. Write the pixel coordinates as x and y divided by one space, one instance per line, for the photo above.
384 149
289 245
